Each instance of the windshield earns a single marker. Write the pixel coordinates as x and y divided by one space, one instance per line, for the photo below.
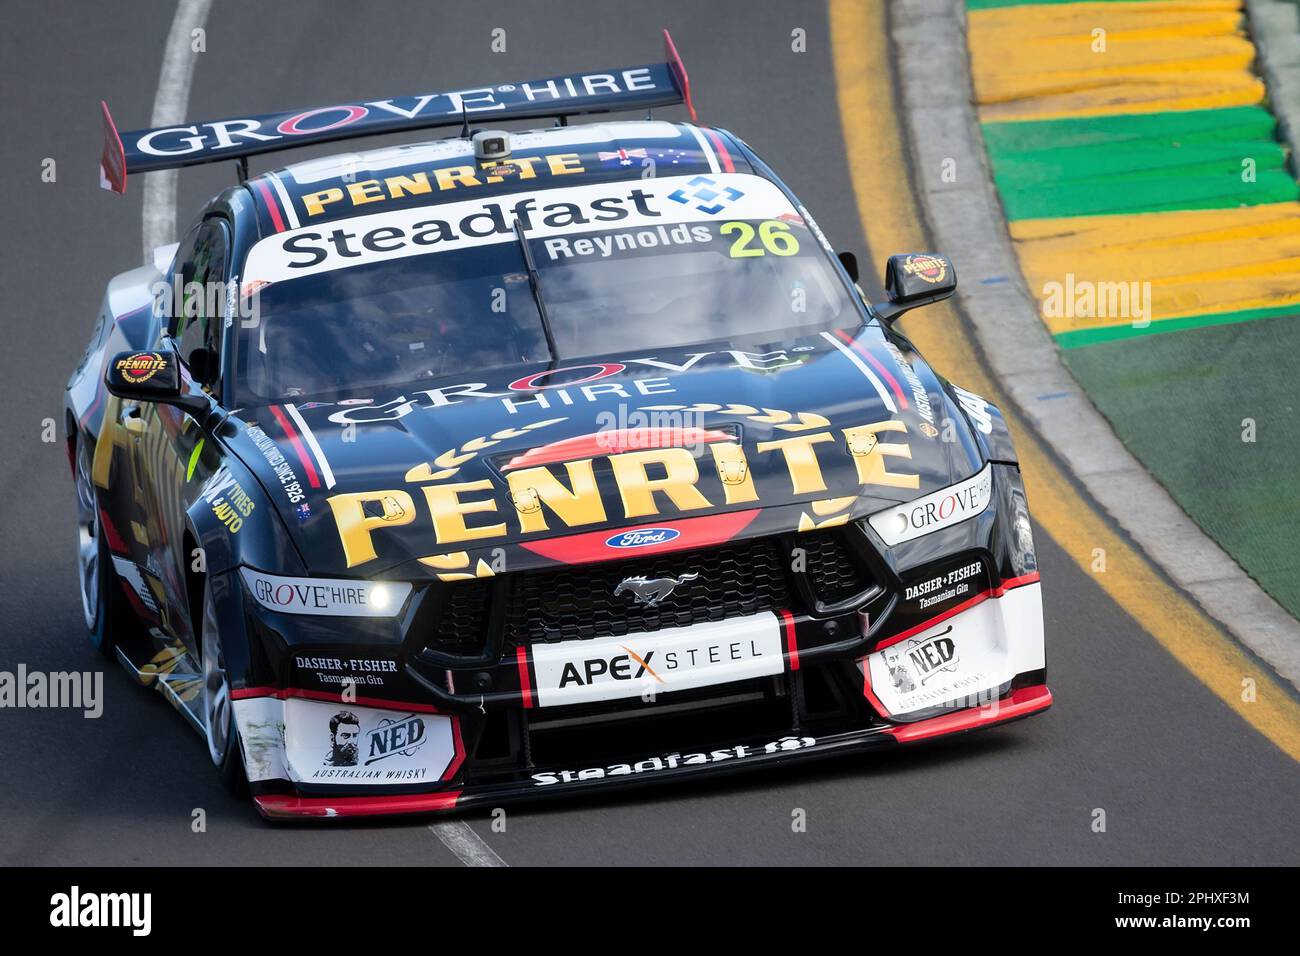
622 267
391 323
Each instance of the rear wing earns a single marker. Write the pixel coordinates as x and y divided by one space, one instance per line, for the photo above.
172 147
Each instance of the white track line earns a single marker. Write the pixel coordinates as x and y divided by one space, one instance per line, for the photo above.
466 844
169 106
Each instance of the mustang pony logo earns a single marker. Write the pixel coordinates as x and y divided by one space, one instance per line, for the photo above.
650 591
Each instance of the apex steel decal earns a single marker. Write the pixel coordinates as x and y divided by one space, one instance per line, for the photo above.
701 655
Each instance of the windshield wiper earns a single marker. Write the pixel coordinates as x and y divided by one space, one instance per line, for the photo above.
534 283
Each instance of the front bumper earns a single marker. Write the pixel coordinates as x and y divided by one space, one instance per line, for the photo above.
312 753
949 638
753 754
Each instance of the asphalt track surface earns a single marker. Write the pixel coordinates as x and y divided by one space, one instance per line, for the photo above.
1181 778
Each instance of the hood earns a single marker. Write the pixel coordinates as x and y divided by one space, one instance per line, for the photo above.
823 426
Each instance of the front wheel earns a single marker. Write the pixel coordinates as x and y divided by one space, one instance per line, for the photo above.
103 604
218 709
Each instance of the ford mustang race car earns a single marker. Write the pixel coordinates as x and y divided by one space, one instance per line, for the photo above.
531 462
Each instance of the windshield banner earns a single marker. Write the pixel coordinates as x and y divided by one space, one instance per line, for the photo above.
547 216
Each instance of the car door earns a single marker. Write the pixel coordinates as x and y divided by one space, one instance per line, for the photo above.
172 443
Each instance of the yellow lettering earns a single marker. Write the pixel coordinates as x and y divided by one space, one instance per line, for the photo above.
315 202
449 511
364 192
525 164
399 186
868 455
801 460
563 163
355 525
530 488
449 177
638 489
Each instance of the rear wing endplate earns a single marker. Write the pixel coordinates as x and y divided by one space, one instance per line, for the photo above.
172 147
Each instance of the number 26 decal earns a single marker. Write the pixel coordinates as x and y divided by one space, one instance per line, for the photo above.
775 237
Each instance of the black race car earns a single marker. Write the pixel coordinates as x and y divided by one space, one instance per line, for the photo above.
522 463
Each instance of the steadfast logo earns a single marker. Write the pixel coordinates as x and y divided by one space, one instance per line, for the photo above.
77 909
381 237
674 761
487 220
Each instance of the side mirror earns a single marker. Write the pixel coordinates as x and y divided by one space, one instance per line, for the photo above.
915 279
152 377
850 263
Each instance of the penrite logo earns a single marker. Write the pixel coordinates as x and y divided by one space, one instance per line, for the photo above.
642 537
928 268
139 368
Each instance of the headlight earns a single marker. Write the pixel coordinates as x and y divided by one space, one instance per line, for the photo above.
326 596
1023 558
939 509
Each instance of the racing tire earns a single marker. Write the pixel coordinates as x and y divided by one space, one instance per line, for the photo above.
107 614
220 729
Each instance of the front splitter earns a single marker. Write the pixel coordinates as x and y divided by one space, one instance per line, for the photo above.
746 755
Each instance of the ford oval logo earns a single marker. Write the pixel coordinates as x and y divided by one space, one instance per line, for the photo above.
642 537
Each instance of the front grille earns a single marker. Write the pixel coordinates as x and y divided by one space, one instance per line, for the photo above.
836 573
579 603
460 622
